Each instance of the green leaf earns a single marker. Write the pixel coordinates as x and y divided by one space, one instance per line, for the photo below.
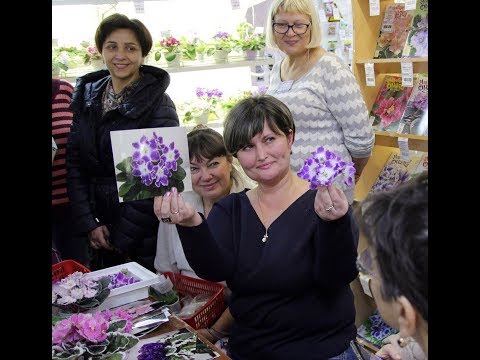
158 55
180 174
170 56
125 188
125 165
122 177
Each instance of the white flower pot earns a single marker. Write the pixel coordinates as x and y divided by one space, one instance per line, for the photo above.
220 56
202 119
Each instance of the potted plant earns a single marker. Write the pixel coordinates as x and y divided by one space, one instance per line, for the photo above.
102 335
200 109
223 44
171 49
92 56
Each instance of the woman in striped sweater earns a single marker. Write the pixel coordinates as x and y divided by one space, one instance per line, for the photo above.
62 238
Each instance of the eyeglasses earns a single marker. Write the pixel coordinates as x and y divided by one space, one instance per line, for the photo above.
282 28
365 270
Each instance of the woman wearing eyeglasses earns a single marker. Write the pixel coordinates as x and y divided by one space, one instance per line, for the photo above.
319 89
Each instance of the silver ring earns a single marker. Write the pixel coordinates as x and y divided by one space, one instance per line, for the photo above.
329 208
175 212
166 220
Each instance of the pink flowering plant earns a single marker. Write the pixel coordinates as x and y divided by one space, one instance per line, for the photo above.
152 169
91 53
324 167
170 47
99 336
76 293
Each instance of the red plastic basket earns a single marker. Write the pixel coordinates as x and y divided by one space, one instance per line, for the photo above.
66 267
208 313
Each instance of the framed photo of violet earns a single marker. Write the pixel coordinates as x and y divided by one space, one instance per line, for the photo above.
149 162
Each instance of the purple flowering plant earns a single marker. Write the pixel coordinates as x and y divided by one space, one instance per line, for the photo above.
324 166
75 292
98 336
121 279
152 169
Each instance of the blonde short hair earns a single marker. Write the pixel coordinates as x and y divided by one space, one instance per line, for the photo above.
304 7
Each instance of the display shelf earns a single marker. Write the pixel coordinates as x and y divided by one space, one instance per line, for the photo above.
185 65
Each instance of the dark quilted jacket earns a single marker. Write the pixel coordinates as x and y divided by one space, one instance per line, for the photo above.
91 173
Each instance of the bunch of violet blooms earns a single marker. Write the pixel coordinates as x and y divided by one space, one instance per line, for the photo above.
76 292
153 161
153 351
390 177
324 166
93 336
120 279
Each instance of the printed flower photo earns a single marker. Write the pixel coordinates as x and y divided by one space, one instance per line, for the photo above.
149 162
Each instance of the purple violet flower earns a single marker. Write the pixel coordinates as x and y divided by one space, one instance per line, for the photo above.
324 167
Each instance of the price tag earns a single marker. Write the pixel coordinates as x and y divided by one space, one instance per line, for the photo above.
235 4
369 74
403 146
407 74
410 4
336 13
139 6
322 16
341 34
374 7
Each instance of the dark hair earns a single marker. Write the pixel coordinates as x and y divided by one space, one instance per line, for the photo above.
246 119
119 21
206 143
395 224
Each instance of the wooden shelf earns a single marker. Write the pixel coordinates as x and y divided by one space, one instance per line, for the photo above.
415 142
380 61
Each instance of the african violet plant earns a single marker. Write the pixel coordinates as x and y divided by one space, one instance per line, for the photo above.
99 336
152 169
324 167
76 293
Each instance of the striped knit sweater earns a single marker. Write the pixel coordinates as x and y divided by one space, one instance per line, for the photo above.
329 110
61 121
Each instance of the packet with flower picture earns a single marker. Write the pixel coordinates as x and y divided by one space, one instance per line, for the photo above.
324 167
149 162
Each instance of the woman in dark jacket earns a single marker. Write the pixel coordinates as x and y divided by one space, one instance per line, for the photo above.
128 95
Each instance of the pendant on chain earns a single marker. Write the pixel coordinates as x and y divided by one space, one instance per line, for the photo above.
265 237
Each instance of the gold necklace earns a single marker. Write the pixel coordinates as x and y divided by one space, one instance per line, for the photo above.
265 237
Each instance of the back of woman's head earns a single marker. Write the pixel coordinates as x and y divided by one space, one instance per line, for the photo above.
120 21
396 226
247 118
205 143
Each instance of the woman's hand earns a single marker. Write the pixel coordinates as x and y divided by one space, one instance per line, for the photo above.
330 203
172 209
99 238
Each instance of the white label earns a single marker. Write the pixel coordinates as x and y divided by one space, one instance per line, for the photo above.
410 4
235 4
374 7
341 34
407 74
139 6
322 16
336 13
403 146
258 30
369 74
